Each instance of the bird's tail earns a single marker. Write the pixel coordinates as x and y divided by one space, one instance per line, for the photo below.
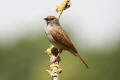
77 54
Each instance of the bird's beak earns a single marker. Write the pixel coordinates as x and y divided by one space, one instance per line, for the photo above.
46 19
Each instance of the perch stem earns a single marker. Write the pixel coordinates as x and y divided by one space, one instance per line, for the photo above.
53 52
63 5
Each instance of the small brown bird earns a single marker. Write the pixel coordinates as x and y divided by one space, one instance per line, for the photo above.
59 38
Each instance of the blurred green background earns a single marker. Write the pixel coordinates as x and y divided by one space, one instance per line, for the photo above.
92 25
26 60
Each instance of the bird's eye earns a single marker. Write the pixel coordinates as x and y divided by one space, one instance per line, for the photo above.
52 18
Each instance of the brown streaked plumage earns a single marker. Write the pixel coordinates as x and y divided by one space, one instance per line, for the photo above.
57 36
60 36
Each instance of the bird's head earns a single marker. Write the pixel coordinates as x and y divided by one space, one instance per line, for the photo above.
51 20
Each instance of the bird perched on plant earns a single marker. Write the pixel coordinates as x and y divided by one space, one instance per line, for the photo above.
59 38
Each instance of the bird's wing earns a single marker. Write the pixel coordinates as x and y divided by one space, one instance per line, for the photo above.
61 37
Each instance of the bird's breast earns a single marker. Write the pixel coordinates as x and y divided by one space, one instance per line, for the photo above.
48 34
50 38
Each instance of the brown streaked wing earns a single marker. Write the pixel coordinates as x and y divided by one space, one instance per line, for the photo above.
61 37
